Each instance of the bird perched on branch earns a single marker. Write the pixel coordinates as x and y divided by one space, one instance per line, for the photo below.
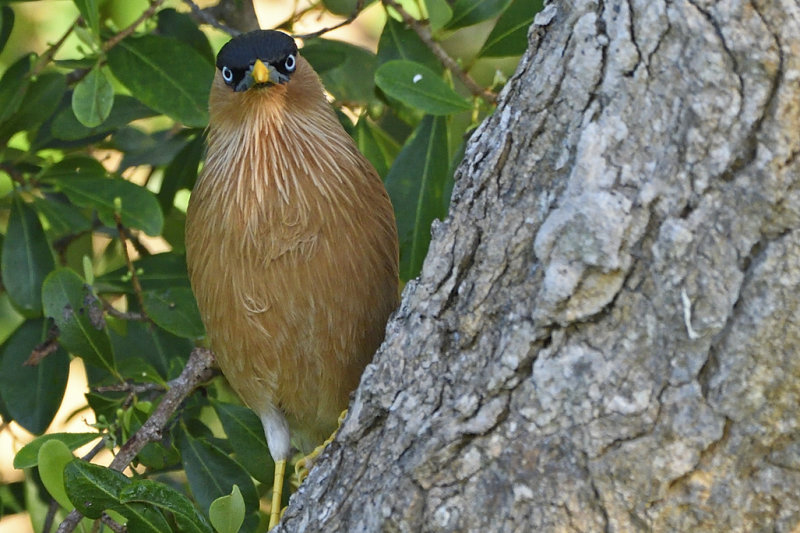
291 245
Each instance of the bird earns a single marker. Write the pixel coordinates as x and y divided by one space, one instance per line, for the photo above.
291 245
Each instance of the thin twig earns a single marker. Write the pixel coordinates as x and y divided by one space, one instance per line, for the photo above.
149 12
137 288
199 369
117 528
134 388
52 509
345 22
48 54
204 16
424 34
123 315
94 451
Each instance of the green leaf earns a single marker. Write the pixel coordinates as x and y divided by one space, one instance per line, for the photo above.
138 207
375 144
53 457
63 218
93 488
246 435
154 149
401 42
143 518
28 456
213 474
125 109
166 75
227 512
14 85
160 271
154 345
40 101
509 37
165 497
79 318
181 173
182 27
74 166
439 13
343 7
93 98
352 81
6 24
90 13
32 394
26 259
323 58
175 310
418 86
469 12
416 185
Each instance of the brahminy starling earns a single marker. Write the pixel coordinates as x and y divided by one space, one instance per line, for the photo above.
291 245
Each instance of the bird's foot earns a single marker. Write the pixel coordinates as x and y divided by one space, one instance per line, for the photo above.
303 466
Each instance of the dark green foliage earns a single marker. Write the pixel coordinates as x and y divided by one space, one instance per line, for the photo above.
100 143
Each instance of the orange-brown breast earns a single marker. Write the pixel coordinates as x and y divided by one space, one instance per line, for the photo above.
292 251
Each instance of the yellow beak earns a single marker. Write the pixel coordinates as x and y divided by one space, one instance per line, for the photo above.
260 72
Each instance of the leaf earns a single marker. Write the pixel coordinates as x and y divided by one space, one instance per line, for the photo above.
227 512
153 345
53 457
439 13
138 207
74 166
375 144
182 27
165 497
26 259
416 184
469 12
89 12
93 488
62 217
343 7
160 271
78 316
40 101
212 474
175 310
352 81
418 86
6 24
401 42
28 456
246 435
509 37
32 394
125 109
142 518
155 149
93 98
181 173
166 75
14 84
324 59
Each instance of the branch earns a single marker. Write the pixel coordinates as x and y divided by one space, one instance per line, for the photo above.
149 12
424 34
204 16
345 22
48 55
199 369
137 287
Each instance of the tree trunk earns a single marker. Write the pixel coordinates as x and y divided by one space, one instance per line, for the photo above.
604 335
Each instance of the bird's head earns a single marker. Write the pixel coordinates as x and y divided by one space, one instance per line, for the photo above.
260 76
257 59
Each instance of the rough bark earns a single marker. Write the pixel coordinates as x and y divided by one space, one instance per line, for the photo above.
604 335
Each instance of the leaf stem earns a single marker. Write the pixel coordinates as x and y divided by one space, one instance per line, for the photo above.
423 31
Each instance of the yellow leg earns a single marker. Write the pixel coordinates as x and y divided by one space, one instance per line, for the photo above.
301 466
277 492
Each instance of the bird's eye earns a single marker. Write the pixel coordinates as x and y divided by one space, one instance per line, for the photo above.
290 63
227 74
